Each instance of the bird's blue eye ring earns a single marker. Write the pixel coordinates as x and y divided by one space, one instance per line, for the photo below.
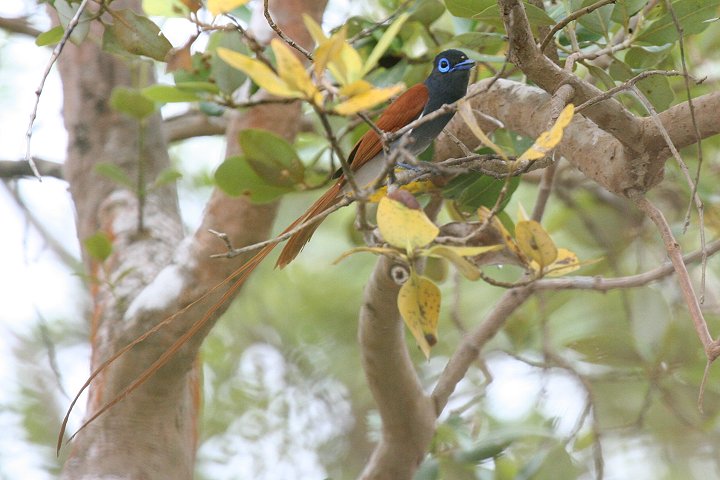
443 65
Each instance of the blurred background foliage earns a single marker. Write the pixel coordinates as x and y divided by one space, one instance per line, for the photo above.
576 384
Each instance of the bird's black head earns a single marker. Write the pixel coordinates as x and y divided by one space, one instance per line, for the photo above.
451 63
449 78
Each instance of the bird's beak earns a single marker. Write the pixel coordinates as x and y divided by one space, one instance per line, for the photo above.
464 65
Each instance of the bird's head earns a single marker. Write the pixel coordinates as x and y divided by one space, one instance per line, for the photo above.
450 75
452 63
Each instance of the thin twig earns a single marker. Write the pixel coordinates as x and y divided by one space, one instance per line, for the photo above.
602 284
367 31
337 149
250 40
683 167
573 16
283 35
38 92
234 252
625 86
224 238
673 250
698 137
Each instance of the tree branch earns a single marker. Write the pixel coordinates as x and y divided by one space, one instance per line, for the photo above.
14 169
408 415
712 350
599 155
20 25
602 284
611 116
473 343
193 124
678 121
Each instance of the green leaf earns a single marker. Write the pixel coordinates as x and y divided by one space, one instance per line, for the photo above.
227 78
608 348
66 12
426 11
384 42
111 44
479 40
658 90
51 37
115 173
693 16
646 57
428 470
620 71
467 8
235 177
473 190
211 109
272 158
131 102
536 16
98 246
167 176
624 9
197 86
487 448
168 94
597 21
138 35
601 75
165 8
551 465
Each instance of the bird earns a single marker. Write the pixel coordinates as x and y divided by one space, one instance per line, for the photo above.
446 84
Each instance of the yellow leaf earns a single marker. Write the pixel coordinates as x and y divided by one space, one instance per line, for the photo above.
216 7
368 99
469 119
403 227
419 304
355 88
549 139
292 71
483 213
328 50
384 42
420 186
260 73
347 66
315 30
535 242
375 250
455 255
467 269
565 263
522 214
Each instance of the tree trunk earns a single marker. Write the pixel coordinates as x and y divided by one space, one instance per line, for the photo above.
152 272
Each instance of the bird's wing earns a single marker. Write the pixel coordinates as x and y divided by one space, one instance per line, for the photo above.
406 108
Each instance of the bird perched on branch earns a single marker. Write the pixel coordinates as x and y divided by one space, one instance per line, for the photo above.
446 84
